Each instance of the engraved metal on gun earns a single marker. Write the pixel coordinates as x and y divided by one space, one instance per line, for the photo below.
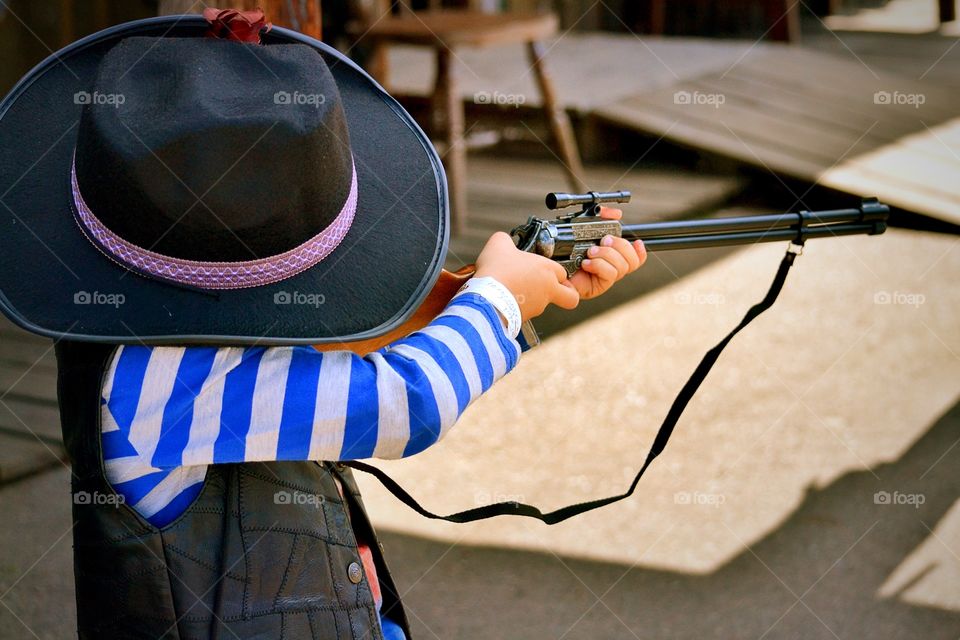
566 242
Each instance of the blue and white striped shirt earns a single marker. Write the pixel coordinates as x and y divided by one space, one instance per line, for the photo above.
168 412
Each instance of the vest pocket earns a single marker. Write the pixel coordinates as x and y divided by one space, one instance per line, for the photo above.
295 529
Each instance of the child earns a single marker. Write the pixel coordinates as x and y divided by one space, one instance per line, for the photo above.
208 187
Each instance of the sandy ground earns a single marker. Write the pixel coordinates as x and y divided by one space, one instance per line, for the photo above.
836 394
765 517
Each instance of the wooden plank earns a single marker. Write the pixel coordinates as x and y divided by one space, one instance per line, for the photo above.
770 128
931 56
807 115
840 82
842 100
805 106
918 161
30 419
856 180
504 192
540 176
925 156
20 457
900 166
832 69
839 120
33 383
29 414
903 179
26 354
710 135
9 331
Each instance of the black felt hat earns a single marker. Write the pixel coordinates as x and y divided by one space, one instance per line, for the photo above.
163 186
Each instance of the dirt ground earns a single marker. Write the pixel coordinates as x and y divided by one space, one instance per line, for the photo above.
809 492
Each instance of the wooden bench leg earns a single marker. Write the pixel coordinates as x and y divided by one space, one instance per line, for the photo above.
948 10
66 22
657 17
449 118
378 65
785 18
563 137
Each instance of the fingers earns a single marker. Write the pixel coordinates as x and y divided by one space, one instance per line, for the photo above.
565 296
609 213
606 272
641 252
614 256
628 252
558 270
499 239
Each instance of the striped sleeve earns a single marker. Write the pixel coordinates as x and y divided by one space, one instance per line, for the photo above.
165 408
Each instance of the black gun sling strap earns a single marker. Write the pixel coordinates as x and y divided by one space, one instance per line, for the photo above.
663 435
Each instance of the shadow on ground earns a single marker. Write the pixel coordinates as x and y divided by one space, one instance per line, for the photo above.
816 576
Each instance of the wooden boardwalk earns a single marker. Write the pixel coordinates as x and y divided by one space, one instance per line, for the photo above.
30 438
503 193
819 118
826 118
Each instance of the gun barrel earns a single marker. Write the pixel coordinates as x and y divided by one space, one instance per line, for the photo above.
870 219
728 239
561 200
766 222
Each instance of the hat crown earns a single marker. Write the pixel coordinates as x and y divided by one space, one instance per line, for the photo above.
205 149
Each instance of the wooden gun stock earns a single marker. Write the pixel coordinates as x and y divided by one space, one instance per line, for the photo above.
443 291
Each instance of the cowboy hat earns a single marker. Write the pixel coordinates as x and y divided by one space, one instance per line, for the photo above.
160 186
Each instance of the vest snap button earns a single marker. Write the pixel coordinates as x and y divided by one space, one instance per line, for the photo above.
354 573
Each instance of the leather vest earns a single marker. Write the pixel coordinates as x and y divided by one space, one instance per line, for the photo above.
266 551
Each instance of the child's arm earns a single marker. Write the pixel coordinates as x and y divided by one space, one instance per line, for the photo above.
202 405
172 407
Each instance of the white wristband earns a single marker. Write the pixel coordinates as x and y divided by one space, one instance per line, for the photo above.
500 297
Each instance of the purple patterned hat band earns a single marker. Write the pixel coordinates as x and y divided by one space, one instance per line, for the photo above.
215 275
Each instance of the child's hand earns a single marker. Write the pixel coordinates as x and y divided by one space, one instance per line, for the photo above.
533 280
609 262
536 281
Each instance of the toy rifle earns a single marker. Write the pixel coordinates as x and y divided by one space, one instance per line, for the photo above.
567 240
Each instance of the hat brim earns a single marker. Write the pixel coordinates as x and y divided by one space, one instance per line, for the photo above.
54 282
